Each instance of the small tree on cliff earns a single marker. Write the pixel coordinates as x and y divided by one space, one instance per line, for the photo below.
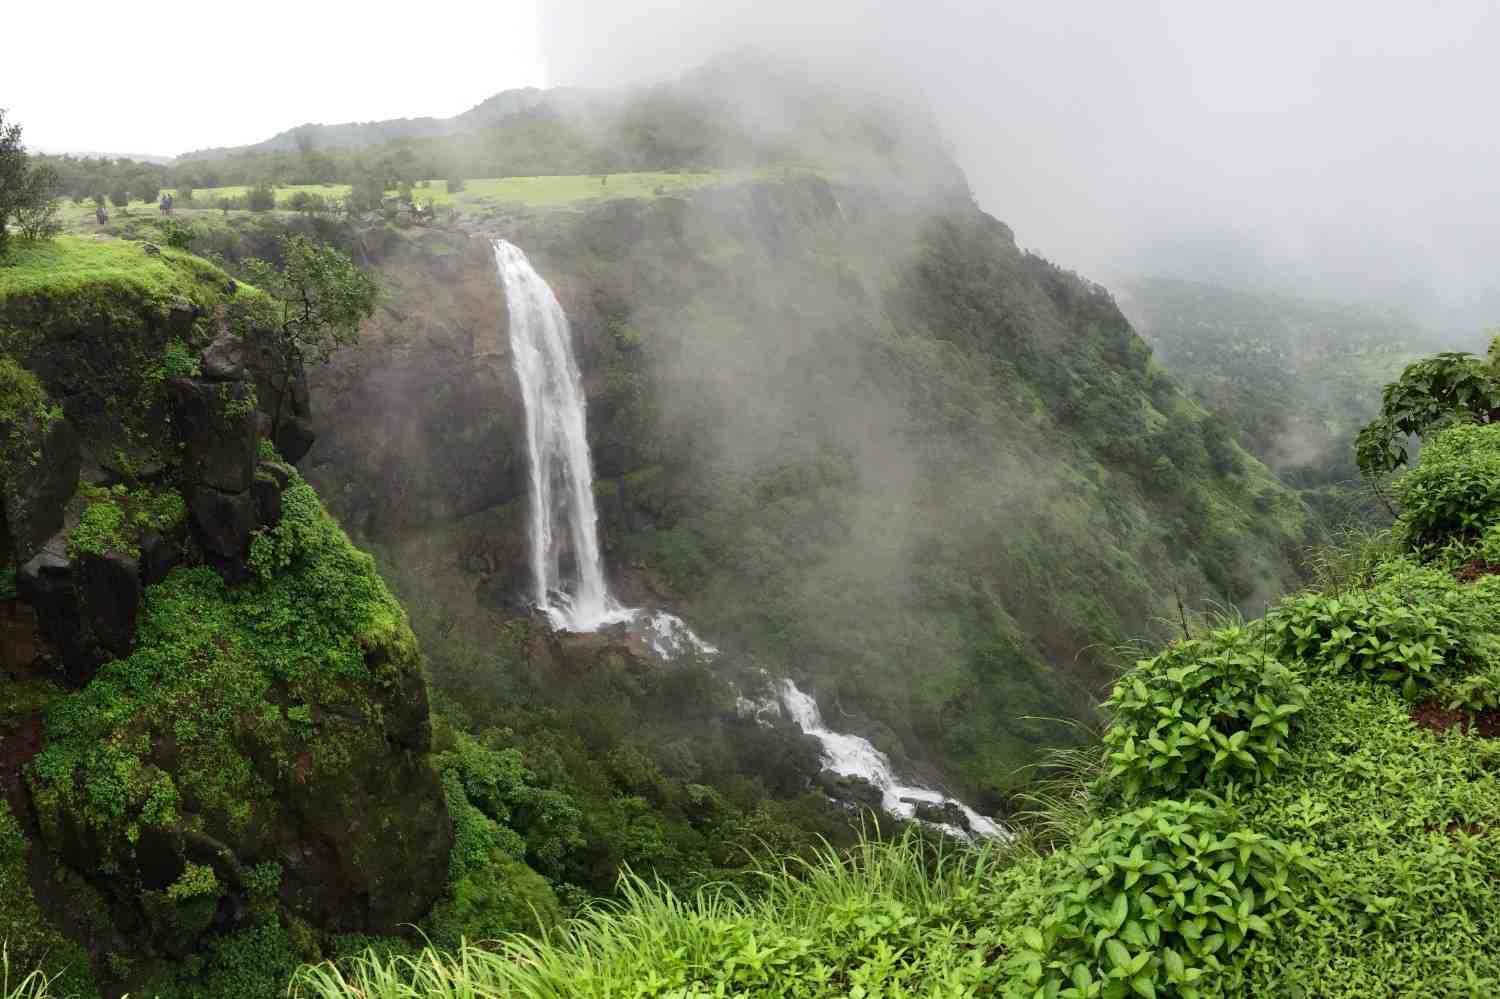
314 304
27 192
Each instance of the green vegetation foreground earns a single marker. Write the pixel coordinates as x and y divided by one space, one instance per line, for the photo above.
1297 806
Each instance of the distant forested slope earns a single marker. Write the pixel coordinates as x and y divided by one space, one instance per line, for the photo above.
1294 378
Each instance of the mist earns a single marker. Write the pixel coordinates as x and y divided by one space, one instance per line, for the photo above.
1337 151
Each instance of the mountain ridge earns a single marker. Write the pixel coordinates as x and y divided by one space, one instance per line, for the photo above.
358 134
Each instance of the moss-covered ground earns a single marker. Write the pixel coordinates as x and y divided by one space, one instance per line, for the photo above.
221 675
71 268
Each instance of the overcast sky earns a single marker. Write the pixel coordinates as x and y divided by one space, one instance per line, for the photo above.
1350 144
1344 145
173 75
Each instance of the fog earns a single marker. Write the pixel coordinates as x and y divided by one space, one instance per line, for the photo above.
1339 150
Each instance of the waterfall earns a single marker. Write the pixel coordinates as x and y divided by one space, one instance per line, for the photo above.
854 756
566 565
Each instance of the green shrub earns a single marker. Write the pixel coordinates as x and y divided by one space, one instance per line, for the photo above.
1154 902
1454 492
177 234
1203 712
115 519
1413 625
261 197
1476 692
20 393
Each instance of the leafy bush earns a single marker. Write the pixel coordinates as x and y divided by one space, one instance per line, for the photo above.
1454 492
303 201
1431 394
119 197
1476 692
115 519
177 234
1203 712
1412 625
1154 902
261 197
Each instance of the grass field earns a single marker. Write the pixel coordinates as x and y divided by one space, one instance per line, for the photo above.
69 266
531 191
477 195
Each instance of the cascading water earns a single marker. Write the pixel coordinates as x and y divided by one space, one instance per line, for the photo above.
854 756
566 565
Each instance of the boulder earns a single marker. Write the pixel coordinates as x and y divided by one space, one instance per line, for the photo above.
160 554
944 813
109 588
267 493
216 425
180 317
222 522
294 438
41 464
854 791
223 360
46 582
85 609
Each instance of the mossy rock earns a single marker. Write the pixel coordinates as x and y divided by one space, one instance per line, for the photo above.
283 720
99 324
31 941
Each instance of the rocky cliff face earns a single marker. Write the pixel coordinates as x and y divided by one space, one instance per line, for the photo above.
224 719
849 430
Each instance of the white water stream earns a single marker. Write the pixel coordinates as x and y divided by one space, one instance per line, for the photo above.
566 565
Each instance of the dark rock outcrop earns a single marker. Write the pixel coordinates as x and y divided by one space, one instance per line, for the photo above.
109 589
853 791
161 552
41 465
294 437
85 608
222 522
946 813
216 425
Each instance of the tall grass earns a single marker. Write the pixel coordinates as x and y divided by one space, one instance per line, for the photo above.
902 913
33 986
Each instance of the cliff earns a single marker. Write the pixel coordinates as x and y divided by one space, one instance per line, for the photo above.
214 723
847 428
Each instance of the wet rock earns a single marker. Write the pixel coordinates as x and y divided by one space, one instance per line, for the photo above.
223 360
851 790
110 595
216 424
945 813
180 317
85 609
222 522
294 438
41 464
267 493
160 554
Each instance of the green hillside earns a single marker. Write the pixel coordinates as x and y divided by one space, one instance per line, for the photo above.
1295 379
1298 805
